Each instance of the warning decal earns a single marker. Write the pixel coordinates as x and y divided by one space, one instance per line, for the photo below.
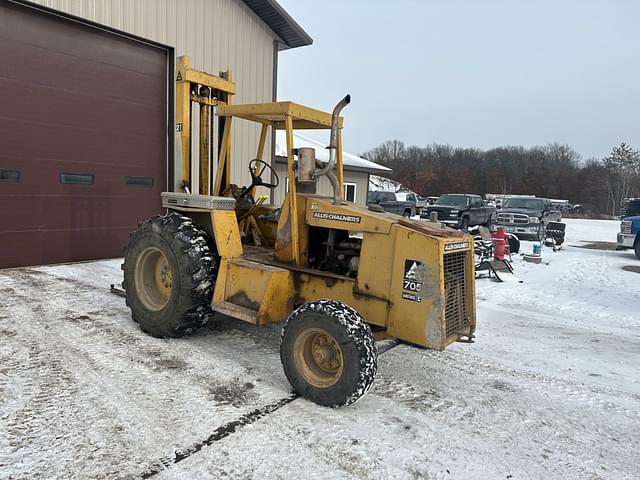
413 280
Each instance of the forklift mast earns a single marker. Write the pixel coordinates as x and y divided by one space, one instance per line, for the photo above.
194 87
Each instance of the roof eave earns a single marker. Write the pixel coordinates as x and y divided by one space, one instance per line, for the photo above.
277 18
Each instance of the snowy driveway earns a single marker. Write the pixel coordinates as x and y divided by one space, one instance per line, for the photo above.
551 388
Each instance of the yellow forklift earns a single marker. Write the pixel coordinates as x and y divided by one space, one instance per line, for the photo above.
340 275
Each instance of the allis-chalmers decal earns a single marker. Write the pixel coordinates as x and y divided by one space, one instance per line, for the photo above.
456 246
336 217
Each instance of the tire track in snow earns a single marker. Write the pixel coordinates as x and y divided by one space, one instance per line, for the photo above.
219 433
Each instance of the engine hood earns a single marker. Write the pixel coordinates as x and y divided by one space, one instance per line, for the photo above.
443 208
524 211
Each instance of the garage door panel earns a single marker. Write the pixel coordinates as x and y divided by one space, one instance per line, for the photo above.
26 67
83 101
41 143
44 31
38 177
76 212
47 247
78 110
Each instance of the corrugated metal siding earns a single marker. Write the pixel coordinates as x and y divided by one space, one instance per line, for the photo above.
361 179
217 34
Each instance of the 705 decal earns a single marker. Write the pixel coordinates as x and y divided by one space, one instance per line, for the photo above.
412 286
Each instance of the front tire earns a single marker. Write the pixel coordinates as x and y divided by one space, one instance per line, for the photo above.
328 353
169 276
464 225
636 249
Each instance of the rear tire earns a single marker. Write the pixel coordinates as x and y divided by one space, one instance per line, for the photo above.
169 275
328 353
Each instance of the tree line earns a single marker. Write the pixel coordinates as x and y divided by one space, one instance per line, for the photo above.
551 171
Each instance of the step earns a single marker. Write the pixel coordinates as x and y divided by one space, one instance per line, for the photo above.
236 311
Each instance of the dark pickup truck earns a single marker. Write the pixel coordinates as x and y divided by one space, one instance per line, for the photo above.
528 216
461 211
389 202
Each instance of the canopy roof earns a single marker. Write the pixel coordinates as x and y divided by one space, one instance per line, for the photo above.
274 114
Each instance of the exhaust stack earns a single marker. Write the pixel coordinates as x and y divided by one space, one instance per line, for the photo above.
333 148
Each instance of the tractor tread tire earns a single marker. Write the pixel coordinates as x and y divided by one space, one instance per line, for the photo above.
354 335
187 248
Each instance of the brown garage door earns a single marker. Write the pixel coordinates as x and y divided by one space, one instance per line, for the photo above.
83 137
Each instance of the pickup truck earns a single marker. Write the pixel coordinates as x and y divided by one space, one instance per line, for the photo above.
461 211
528 216
389 202
417 201
629 236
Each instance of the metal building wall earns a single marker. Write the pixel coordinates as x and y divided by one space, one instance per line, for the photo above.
217 34
361 179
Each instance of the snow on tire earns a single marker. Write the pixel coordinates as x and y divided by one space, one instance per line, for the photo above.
328 353
169 275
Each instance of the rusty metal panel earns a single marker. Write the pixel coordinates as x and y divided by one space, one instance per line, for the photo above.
87 103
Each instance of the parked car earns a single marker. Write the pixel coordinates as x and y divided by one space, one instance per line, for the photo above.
629 236
461 211
528 216
389 202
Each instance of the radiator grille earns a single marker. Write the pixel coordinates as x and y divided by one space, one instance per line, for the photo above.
513 218
456 315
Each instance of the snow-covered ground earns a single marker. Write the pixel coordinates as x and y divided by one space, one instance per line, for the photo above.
550 389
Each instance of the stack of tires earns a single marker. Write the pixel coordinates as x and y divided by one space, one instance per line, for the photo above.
554 235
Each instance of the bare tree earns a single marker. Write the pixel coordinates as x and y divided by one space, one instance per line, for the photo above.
389 153
622 168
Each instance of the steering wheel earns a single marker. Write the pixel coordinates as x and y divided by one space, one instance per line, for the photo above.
256 180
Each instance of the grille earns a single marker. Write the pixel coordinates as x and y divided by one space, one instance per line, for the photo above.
456 315
513 218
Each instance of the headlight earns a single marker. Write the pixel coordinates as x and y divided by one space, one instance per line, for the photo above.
625 227
454 213
534 220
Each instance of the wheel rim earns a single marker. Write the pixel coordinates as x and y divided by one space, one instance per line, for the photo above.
318 357
153 279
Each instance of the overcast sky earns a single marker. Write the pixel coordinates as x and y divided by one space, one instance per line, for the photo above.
479 73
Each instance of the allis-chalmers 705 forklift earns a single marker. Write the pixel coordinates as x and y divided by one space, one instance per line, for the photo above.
340 275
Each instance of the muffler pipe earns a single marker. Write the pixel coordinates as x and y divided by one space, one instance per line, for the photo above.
333 179
333 141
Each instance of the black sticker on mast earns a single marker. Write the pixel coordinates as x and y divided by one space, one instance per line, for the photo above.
413 280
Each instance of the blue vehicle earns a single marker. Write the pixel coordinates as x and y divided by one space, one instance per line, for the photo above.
629 236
